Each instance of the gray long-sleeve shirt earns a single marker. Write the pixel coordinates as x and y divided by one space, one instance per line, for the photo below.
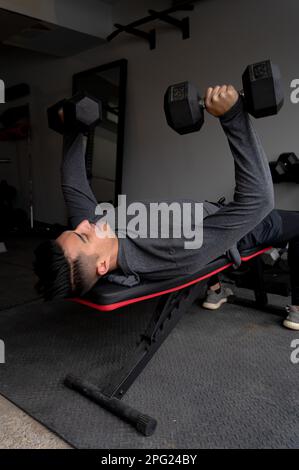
160 258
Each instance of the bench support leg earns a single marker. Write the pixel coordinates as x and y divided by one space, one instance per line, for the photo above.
260 292
169 310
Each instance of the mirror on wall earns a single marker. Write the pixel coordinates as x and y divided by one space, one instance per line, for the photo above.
107 83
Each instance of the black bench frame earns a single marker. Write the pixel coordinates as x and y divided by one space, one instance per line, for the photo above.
170 308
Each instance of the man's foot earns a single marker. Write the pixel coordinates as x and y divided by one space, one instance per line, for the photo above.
215 299
292 320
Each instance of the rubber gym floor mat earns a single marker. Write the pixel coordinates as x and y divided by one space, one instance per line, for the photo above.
222 379
16 286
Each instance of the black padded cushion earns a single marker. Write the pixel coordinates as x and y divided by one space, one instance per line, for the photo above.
107 293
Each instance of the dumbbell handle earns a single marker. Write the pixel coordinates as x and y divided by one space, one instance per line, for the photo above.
202 103
202 100
61 114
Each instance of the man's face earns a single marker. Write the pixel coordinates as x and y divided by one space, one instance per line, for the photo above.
82 239
85 241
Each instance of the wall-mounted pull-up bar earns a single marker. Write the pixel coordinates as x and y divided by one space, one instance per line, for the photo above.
165 16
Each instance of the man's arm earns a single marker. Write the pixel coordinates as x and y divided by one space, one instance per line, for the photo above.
253 197
79 198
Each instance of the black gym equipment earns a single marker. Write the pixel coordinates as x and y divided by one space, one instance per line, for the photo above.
262 93
271 257
264 279
165 16
285 169
80 113
175 297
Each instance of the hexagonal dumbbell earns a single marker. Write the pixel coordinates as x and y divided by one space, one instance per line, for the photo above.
262 93
271 257
79 113
286 168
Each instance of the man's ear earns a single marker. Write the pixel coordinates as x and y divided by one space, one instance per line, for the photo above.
102 267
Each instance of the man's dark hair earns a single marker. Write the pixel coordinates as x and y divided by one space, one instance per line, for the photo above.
58 278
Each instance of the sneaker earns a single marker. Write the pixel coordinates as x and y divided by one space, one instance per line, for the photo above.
292 320
214 300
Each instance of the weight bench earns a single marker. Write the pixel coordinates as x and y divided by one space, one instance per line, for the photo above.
175 297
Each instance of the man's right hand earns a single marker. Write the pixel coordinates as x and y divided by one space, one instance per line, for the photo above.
220 99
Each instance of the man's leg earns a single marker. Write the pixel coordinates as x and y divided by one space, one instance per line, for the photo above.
269 229
290 220
278 229
264 234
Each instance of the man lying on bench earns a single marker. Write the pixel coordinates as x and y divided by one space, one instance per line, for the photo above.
74 262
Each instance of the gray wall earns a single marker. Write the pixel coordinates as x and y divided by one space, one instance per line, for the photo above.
226 36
